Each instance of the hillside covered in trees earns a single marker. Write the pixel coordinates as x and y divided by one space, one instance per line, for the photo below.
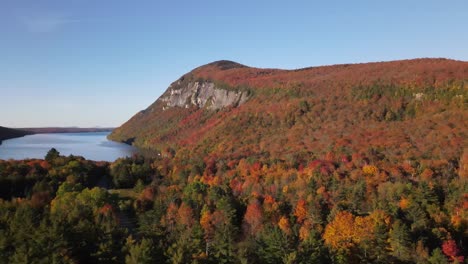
7 133
363 163
401 109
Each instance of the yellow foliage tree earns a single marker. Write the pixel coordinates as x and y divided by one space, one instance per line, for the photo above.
346 231
284 225
339 233
369 169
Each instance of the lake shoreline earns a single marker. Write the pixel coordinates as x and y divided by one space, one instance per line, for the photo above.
90 145
7 133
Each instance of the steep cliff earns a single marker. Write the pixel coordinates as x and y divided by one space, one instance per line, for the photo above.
401 108
201 94
187 95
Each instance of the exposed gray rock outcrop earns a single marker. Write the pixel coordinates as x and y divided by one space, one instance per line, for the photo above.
201 94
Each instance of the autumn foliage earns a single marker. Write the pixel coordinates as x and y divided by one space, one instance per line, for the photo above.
452 251
362 163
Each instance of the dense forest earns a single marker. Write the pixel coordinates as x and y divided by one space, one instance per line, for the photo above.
363 163
336 209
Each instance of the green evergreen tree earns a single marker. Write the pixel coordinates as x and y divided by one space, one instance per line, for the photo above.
51 155
139 186
437 257
379 248
223 241
400 241
273 245
186 247
417 216
312 250
140 252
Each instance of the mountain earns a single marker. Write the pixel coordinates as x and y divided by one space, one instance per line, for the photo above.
397 110
7 133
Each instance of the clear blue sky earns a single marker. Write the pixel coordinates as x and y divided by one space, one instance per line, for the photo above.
98 62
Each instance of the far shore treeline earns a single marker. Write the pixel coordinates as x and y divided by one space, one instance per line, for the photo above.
9 133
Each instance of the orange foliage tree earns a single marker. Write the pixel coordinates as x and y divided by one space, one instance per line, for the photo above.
254 217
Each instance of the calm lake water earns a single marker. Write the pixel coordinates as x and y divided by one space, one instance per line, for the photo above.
91 145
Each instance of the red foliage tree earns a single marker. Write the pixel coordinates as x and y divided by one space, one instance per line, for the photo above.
450 249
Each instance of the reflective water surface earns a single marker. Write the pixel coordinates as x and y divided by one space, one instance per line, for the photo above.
90 145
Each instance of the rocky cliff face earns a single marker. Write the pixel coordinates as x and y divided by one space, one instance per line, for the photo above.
188 95
201 94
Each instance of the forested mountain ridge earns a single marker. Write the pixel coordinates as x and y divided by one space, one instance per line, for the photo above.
405 109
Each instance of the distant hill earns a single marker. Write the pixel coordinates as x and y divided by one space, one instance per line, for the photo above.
41 130
399 110
7 133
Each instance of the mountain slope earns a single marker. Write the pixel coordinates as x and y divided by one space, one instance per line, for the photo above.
399 110
7 133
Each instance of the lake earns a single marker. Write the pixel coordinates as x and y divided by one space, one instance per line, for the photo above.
90 145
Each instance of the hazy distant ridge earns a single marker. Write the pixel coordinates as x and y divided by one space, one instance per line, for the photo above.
8 133
41 130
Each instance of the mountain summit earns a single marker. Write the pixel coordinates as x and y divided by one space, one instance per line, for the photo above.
224 65
228 109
